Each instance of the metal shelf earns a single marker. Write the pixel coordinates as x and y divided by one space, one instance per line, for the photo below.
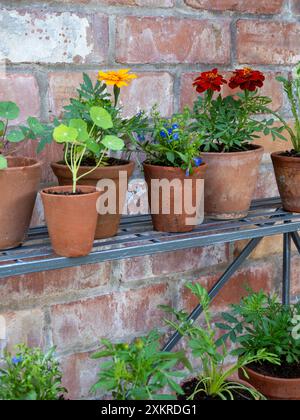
137 238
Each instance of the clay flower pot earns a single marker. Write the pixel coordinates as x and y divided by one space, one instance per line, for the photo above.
230 182
19 184
71 219
287 172
273 388
174 221
107 224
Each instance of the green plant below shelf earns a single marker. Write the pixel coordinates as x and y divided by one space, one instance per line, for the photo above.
215 380
78 139
30 374
140 370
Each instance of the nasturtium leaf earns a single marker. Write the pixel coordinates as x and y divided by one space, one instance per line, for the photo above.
101 117
35 126
3 162
9 110
113 143
92 146
65 134
15 136
81 127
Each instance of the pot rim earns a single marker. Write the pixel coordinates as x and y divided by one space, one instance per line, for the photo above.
36 164
105 168
273 378
289 158
257 148
203 165
93 191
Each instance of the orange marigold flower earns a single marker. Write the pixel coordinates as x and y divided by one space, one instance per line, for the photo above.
118 78
247 79
209 80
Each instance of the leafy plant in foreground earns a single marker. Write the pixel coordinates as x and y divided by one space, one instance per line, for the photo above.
215 379
30 375
260 321
138 371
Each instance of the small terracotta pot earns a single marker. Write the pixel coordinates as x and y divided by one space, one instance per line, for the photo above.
273 388
230 182
173 222
19 184
71 220
287 172
107 224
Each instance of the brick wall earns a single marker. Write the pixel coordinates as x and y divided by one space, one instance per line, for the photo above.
47 45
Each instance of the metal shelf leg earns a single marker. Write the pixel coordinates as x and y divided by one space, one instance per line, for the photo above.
234 266
286 292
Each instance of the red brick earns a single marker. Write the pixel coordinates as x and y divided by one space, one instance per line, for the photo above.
266 184
172 40
24 327
143 3
247 6
257 277
296 276
134 269
43 286
272 89
189 259
80 372
84 322
22 89
261 42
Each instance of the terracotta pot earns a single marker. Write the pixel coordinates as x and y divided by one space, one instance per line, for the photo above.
230 182
71 220
107 224
177 219
287 172
19 184
273 388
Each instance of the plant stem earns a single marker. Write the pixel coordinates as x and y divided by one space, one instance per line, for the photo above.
117 91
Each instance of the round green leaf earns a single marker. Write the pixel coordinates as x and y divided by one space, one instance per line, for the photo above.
113 143
15 136
3 162
65 134
81 127
101 117
9 110
35 126
92 146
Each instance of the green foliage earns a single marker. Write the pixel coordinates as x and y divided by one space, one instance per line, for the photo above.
292 89
30 375
228 124
173 142
260 321
78 140
138 371
215 379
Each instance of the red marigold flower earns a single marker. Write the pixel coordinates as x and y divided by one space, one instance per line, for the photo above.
209 80
247 79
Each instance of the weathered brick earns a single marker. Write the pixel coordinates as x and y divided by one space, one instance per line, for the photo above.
141 94
260 42
266 184
134 269
257 277
272 88
248 6
22 89
44 286
45 37
189 259
269 245
171 40
80 372
24 327
296 7
84 322
143 3
270 145
296 275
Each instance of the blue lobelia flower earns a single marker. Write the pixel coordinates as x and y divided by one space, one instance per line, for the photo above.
163 134
16 360
176 136
198 161
170 131
175 126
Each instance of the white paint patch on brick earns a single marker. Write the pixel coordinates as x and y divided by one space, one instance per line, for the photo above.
39 37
